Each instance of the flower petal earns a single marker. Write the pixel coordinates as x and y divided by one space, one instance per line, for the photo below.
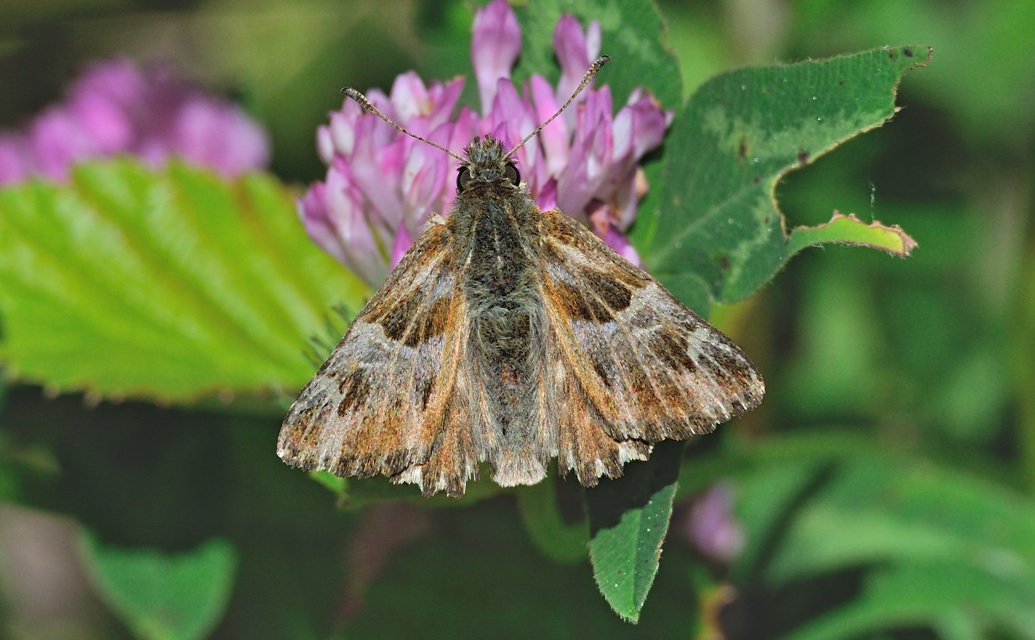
649 123
423 179
409 98
332 213
555 137
12 159
495 45
575 50
590 162
403 240
201 128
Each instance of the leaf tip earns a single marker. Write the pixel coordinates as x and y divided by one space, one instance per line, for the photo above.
919 54
850 230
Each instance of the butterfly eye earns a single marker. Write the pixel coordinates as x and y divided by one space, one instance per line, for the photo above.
463 179
513 175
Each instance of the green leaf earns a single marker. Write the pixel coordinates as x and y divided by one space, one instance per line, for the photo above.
947 549
943 595
164 597
849 229
1022 346
717 233
908 510
628 519
169 284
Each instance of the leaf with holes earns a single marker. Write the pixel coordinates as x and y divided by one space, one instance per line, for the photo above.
717 233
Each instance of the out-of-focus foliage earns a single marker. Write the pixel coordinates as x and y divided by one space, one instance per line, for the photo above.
884 488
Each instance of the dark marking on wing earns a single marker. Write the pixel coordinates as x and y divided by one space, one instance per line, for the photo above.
672 349
355 388
406 319
605 377
576 305
611 292
425 386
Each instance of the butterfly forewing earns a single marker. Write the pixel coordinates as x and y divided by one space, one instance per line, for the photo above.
647 367
381 399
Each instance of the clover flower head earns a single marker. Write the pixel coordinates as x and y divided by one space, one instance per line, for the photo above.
382 185
115 108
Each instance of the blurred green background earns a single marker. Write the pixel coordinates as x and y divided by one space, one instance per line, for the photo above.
884 488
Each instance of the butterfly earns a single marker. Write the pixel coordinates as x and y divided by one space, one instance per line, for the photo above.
511 336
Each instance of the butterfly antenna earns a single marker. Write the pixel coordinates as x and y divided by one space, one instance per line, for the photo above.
586 79
369 107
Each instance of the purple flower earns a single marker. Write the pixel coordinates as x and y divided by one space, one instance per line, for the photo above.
115 108
381 185
711 525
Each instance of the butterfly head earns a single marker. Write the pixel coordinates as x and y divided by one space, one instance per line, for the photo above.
487 163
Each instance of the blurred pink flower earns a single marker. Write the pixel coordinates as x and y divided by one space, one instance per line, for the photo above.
381 185
115 108
712 526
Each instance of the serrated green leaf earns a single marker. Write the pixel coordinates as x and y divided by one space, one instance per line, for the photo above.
628 519
718 229
168 284
164 596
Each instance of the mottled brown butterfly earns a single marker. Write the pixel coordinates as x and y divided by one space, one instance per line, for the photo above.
511 336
